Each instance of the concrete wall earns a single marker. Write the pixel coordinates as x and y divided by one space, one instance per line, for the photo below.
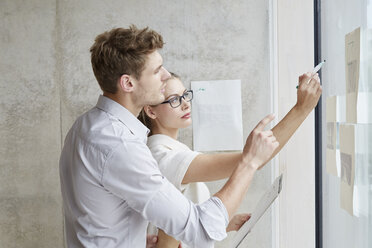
30 134
46 81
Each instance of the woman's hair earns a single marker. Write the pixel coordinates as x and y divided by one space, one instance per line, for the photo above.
122 51
144 118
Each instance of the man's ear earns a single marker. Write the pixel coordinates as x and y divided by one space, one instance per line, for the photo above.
125 83
149 112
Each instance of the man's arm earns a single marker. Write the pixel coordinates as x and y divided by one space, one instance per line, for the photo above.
166 241
210 167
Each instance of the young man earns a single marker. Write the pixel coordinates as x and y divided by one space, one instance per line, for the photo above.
111 185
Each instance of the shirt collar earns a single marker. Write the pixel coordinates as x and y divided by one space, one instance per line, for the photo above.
125 116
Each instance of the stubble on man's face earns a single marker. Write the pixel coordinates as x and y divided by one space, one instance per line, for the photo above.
150 87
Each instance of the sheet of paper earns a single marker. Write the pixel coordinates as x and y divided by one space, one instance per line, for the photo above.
331 109
347 155
217 115
341 108
352 65
364 107
331 151
336 108
265 202
363 161
338 154
357 76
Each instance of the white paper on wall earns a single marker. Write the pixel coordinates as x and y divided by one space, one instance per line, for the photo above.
363 163
332 149
341 108
332 152
331 109
356 158
217 115
347 155
358 91
352 66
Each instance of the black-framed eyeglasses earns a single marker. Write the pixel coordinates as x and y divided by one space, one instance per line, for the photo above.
176 101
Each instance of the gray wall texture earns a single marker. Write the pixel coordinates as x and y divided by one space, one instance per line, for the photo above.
46 81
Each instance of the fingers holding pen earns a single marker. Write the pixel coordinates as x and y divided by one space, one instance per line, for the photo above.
314 81
302 81
309 82
306 80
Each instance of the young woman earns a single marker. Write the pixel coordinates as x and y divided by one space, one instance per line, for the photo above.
186 168
177 162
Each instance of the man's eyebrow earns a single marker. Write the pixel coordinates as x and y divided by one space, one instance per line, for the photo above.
158 68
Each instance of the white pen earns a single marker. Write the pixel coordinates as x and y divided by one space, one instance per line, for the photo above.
315 70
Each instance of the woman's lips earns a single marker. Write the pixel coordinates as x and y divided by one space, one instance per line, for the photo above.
186 116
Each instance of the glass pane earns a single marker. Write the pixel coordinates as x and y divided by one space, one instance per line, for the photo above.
346 45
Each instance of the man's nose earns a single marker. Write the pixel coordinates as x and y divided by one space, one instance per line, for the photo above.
166 74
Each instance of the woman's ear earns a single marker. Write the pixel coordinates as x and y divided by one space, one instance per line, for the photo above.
149 112
125 83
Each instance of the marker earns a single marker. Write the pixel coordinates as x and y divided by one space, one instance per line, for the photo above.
315 70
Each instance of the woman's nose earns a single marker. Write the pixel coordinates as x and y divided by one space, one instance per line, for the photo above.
185 104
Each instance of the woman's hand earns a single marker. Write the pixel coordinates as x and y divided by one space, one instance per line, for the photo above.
309 91
151 241
260 144
237 221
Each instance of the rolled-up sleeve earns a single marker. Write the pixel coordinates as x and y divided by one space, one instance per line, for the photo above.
131 173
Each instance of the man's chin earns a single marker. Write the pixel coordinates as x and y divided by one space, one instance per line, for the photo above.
157 102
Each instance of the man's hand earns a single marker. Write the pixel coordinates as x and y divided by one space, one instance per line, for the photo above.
260 144
308 93
151 241
237 221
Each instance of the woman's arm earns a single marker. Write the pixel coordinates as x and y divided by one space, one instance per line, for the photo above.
166 241
210 167
308 95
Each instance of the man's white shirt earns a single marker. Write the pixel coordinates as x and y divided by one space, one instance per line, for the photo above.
111 187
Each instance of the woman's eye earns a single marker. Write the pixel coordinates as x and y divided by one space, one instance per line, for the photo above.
173 100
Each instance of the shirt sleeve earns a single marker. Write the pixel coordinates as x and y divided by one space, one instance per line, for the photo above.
174 164
131 173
